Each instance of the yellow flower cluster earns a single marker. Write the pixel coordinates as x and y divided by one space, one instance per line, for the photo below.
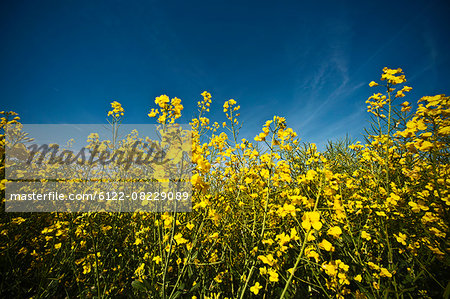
392 76
169 110
117 111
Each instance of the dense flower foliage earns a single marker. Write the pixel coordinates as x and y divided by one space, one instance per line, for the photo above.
271 217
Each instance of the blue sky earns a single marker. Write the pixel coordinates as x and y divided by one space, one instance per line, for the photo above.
65 61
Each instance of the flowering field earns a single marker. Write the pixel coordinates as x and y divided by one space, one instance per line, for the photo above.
272 217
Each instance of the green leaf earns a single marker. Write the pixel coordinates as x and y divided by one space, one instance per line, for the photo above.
447 291
138 285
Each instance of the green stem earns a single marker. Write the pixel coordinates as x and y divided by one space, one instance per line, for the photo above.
305 240
168 255
387 141
265 214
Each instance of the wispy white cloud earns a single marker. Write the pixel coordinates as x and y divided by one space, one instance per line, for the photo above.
330 84
433 57
320 125
330 79
351 124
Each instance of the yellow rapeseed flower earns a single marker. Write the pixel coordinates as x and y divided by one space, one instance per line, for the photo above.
326 245
179 239
273 275
365 235
157 259
385 272
269 260
311 219
255 289
335 231
401 238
